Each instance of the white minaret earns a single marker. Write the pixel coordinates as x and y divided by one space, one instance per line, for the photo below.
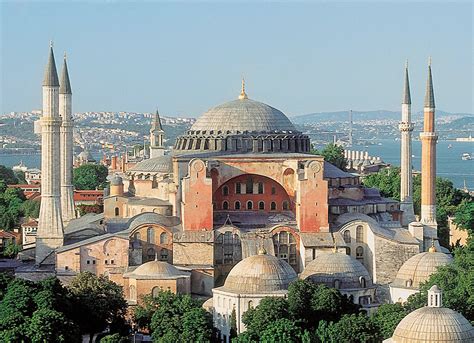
156 137
50 233
65 111
406 128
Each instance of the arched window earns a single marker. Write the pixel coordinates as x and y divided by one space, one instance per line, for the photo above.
260 188
261 205
150 235
347 236
337 284
137 238
117 211
225 190
285 206
360 253
163 238
237 205
348 251
362 282
225 205
249 186
150 254
155 291
238 188
250 304
133 293
284 244
164 254
408 283
249 205
360 234
274 190
273 206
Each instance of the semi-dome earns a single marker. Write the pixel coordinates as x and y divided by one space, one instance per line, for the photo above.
433 323
161 164
156 270
243 115
337 270
258 274
418 268
116 180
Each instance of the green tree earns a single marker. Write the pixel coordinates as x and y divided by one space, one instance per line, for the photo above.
20 176
90 176
387 318
7 175
352 328
233 324
333 154
196 326
31 208
464 216
143 312
98 301
48 325
11 250
329 304
282 331
115 338
387 181
300 294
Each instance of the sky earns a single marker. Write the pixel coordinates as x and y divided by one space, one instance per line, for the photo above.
183 57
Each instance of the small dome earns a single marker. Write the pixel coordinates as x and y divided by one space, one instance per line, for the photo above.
156 270
433 324
260 274
85 155
418 269
328 268
116 180
160 164
243 115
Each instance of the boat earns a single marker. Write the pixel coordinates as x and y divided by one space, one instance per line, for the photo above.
450 146
466 156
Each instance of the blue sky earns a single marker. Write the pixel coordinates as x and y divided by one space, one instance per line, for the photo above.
184 58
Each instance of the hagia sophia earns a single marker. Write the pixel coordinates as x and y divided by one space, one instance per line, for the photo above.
237 211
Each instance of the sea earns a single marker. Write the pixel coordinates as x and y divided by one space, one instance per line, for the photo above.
448 163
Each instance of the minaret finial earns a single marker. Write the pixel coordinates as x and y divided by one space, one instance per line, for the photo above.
406 87
65 55
406 64
429 61
429 95
51 44
243 95
432 248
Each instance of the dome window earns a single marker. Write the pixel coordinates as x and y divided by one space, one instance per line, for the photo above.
363 282
337 284
360 253
163 238
408 283
347 236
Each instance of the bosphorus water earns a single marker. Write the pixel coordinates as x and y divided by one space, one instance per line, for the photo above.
449 163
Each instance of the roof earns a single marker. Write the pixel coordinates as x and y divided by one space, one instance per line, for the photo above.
160 164
87 221
406 89
152 218
87 195
65 87
91 240
8 234
333 172
50 73
429 95
156 270
261 273
243 115
327 268
322 239
434 324
31 222
418 268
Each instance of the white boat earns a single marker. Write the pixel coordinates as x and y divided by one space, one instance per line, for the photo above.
466 156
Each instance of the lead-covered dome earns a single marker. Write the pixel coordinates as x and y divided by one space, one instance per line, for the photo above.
156 270
258 274
418 268
243 115
337 270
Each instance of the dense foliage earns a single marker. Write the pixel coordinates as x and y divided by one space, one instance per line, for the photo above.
448 198
174 318
49 312
333 154
90 176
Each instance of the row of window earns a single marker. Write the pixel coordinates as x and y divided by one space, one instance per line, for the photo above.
261 205
359 235
106 261
150 236
249 188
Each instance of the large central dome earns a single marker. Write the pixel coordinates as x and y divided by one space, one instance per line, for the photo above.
244 115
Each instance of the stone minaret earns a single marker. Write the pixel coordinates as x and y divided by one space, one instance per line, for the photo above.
50 225
65 111
406 128
156 137
428 162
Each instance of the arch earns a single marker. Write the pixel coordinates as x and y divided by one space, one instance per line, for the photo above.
237 205
337 284
261 205
164 254
137 237
249 205
363 282
250 304
150 235
155 291
260 188
289 178
347 236
150 254
408 283
225 205
359 234
359 253
273 206
285 206
163 238
225 190
117 211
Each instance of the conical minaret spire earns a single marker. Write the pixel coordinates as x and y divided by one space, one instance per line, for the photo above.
157 135
406 178
50 226
65 111
428 164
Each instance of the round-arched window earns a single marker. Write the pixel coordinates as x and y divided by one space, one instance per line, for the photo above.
249 205
273 206
261 205
225 205
285 206
225 190
237 205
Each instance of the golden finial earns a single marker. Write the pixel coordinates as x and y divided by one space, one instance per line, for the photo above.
243 95
432 247
261 249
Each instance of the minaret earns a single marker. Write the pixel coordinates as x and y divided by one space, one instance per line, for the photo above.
406 128
156 137
65 111
428 162
50 226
